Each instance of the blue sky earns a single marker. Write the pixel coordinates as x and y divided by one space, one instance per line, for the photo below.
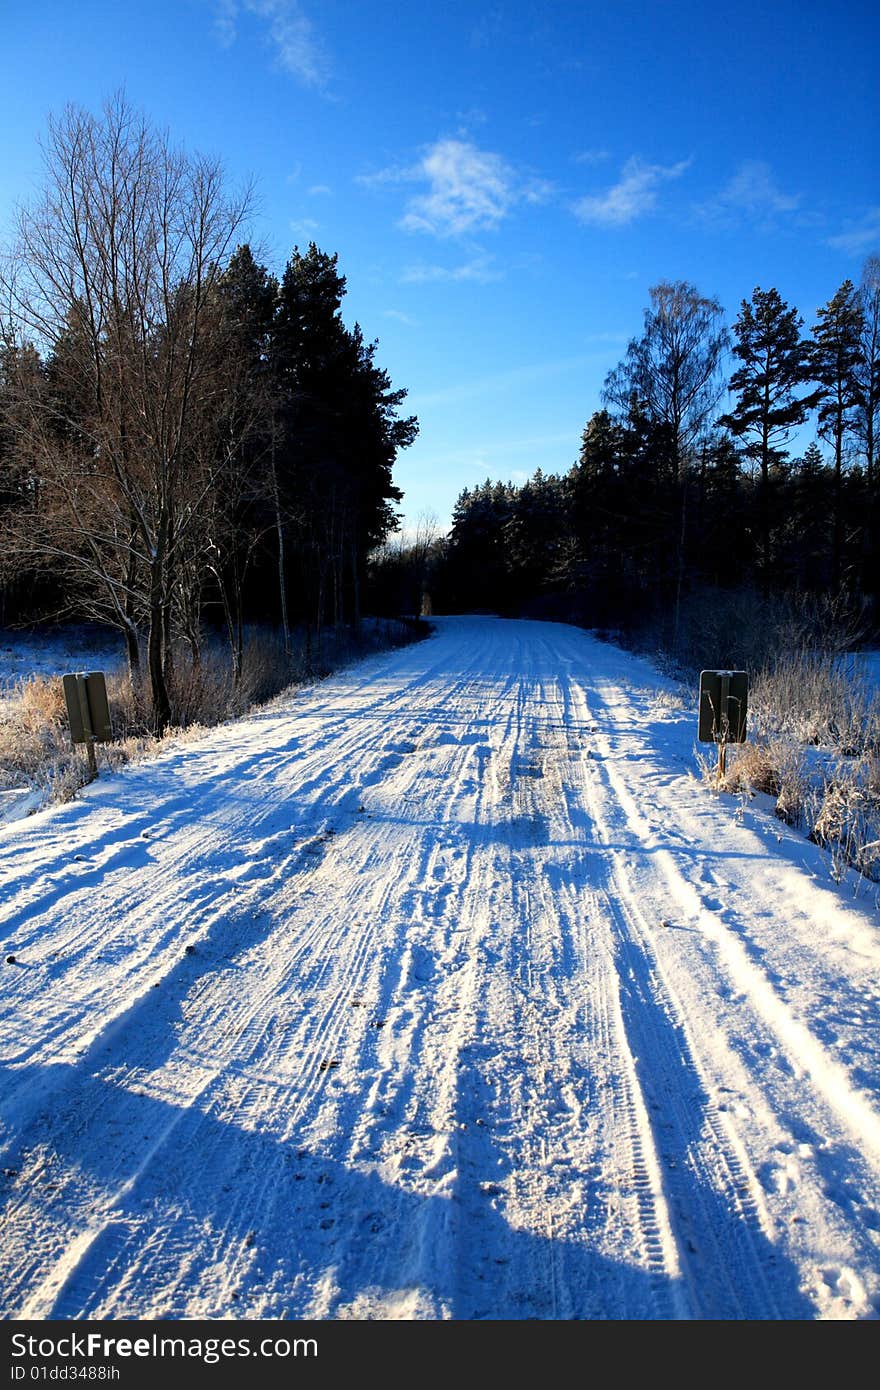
502 182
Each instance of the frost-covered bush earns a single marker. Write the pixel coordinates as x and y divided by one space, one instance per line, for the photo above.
35 748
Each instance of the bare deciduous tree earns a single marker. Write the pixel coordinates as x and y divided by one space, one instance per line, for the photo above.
674 369
111 277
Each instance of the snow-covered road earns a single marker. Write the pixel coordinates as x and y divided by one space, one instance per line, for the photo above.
440 990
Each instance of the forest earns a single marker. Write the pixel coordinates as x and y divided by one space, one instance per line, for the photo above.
675 505
190 443
187 442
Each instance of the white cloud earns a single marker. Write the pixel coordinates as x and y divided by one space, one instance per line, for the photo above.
400 317
753 190
859 237
481 457
479 271
591 156
304 226
297 47
634 194
320 190
538 190
467 189
225 14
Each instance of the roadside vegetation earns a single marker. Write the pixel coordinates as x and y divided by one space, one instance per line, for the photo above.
813 746
36 755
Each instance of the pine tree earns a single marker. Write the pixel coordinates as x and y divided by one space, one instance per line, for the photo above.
836 358
812 487
867 419
478 568
244 493
775 363
341 434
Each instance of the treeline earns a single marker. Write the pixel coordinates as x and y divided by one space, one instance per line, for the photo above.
669 494
184 437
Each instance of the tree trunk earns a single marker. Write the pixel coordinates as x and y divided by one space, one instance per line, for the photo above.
355 590
765 525
131 637
169 587
679 579
282 578
158 626
837 552
156 652
229 619
238 660
133 653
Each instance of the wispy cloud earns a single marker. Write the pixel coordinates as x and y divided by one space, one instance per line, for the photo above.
634 194
225 15
304 226
320 190
591 156
487 28
291 33
400 317
481 458
859 236
467 189
515 378
480 270
752 193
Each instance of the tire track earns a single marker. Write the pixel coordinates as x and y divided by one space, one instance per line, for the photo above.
431 1056
719 1203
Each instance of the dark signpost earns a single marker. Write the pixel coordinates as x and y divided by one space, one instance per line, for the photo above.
724 697
88 712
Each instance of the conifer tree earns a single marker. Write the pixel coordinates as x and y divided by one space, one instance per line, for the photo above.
775 364
341 433
836 358
867 418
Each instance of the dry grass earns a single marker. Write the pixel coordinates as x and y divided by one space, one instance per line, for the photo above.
776 768
814 724
815 698
847 820
815 749
35 748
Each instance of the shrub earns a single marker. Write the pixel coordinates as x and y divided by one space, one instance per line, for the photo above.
814 722
35 748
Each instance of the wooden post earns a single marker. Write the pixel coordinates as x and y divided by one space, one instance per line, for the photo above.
87 726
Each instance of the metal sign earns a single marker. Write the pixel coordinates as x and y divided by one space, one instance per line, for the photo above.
88 712
723 706
87 708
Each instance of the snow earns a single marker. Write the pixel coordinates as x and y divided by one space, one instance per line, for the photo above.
866 666
440 990
54 652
